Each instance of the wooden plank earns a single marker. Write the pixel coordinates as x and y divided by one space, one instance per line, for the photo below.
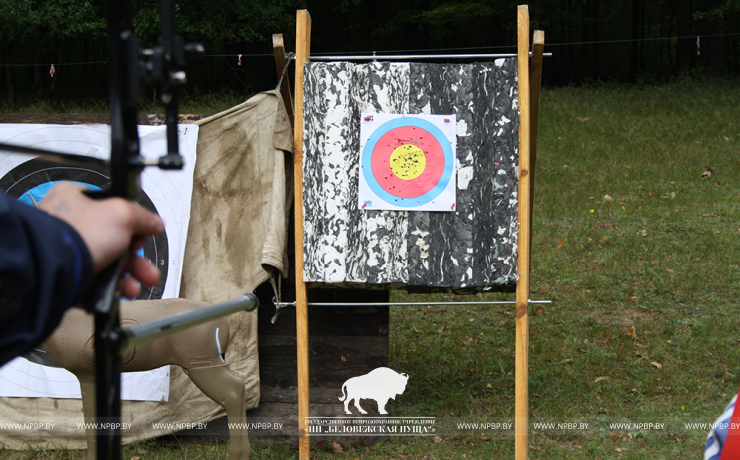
89 119
535 82
303 50
333 359
289 395
360 333
286 412
345 321
278 48
357 320
278 424
62 119
286 415
521 391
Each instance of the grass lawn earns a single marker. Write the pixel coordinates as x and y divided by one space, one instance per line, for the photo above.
641 258
640 255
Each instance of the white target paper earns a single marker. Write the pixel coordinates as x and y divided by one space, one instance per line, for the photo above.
169 192
407 162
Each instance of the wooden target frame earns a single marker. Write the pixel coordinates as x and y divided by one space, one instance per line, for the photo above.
529 77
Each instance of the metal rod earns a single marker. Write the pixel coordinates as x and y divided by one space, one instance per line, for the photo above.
153 330
406 304
404 57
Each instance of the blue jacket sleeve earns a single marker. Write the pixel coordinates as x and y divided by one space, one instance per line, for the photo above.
45 268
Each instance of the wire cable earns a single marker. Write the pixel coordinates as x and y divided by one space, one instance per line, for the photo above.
418 50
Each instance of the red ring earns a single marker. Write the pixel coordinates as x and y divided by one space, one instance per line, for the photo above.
418 186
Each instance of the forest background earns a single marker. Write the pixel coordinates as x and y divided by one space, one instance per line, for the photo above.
643 41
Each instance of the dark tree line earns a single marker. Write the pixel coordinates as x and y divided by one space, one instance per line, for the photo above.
639 40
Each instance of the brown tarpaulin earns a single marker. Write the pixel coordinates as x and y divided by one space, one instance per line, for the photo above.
242 188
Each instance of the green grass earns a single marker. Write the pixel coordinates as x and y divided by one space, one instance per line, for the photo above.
641 257
645 282
644 328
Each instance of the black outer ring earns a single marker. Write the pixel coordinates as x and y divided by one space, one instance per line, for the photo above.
35 172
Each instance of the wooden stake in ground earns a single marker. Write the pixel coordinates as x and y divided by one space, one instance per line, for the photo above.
521 392
303 50
278 48
535 80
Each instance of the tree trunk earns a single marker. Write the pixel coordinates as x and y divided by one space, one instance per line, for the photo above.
596 63
10 96
661 43
686 44
711 46
638 17
569 37
585 32
38 72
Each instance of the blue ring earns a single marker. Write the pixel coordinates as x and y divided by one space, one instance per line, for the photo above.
39 192
398 123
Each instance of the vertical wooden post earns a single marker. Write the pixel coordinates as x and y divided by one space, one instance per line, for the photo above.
521 392
278 48
535 80
303 50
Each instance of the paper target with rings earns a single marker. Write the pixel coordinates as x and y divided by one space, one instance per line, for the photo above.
165 192
29 182
407 162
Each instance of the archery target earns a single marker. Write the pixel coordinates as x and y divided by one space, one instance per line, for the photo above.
29 182
407 162
164 192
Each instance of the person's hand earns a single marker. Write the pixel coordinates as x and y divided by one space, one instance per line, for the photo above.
108 227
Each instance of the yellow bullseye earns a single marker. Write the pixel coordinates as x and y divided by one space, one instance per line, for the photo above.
408 161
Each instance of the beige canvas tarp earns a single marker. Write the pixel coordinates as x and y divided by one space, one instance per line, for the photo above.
236 239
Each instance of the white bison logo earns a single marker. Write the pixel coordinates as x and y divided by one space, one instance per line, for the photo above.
381 384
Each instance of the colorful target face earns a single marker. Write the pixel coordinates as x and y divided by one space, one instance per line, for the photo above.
29 182
407 162
164 192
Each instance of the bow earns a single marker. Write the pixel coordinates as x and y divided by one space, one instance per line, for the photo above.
129 64
161 65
